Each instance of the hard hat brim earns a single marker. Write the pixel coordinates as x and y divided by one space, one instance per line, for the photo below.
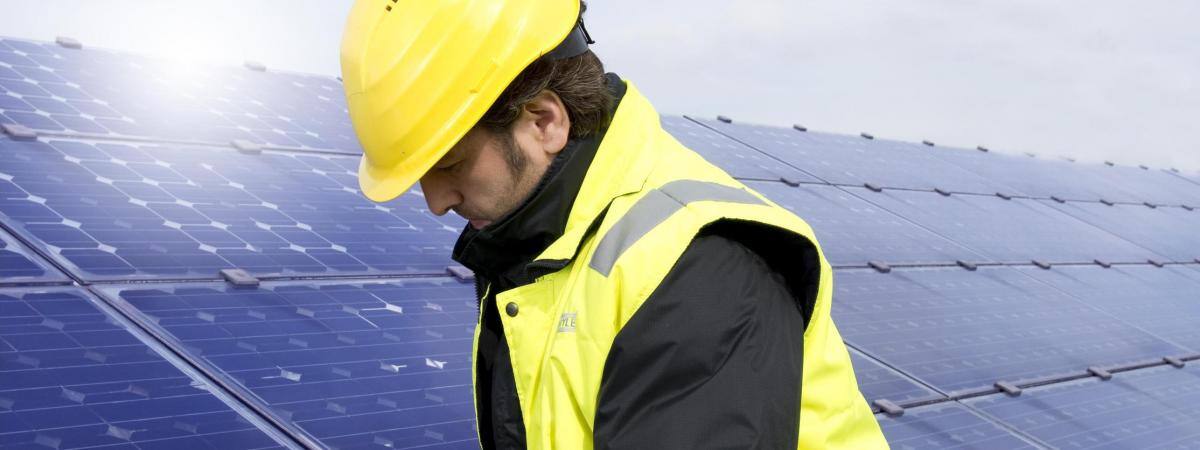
383 184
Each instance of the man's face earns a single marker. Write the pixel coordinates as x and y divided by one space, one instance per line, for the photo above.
482 178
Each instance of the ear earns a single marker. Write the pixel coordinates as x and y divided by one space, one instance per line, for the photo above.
545 123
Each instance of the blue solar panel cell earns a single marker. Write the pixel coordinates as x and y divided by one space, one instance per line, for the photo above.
115 211
877 381
349 363
103 92
734 157
853 232
1017 230
960 331
18 265
1164 301
1168 231
75 377
947 425
853 160
1146 409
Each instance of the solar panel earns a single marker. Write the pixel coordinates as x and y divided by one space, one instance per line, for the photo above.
734 157
851 160
877 381
1153 408
961 331
1168 231
947 425
19 265
74 376
1038 177
1016 230
121 211
1150 185
853 232
102 92
351 364
1164 301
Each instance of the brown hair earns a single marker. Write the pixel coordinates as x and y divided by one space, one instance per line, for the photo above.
579 82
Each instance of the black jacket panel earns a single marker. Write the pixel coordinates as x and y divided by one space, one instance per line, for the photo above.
712 359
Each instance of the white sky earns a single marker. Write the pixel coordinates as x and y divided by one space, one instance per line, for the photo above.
1096 79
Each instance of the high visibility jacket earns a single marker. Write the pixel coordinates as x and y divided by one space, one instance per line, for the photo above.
643 200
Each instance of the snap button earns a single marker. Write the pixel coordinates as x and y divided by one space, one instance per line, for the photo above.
511 309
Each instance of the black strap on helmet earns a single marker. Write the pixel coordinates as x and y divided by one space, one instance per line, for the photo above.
574 45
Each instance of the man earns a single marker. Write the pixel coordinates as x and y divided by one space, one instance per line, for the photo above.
631 294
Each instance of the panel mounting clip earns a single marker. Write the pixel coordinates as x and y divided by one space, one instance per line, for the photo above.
944 192
247 147
967 265
19 132
1150 205
879 266
1106 202
889 408
724 119
68 42
873 187
1102 263
1100 373
799 127
255 66
461 273
1008 388
789 181
1188 207
1004 196
1057 199
1175 362
1041 264
928 142
866 135
239 277
1155 262
982 148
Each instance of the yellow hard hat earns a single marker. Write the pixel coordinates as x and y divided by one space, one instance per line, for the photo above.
419 74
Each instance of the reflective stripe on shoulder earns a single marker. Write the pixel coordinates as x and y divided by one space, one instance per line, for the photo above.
654 208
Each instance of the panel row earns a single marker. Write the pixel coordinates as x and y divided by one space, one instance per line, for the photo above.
113 211
1157 408
961 331
900 227
50 88
119 211
74 376
347 364
853 160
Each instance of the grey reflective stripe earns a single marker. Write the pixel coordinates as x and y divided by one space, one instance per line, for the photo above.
654 208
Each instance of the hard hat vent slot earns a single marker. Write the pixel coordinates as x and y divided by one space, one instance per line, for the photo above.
389 7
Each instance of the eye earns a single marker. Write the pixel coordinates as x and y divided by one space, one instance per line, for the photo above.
448 166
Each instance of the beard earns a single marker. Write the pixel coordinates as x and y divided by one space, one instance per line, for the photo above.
507 196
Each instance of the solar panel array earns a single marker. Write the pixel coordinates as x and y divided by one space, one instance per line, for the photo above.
988 300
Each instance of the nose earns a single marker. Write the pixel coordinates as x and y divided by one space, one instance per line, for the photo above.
440 195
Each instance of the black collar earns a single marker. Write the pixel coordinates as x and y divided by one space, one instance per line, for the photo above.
499 252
